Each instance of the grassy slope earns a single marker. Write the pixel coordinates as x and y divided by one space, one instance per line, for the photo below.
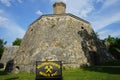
94 73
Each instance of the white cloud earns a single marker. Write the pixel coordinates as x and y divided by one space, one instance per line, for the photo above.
1 11
79 8
100 1
86 11
108 3
2 20
8 2
39 12
104 34
116 33
20 1
104 20
108 14
10 29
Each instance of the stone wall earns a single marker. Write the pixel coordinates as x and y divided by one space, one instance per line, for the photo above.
8 55
65 38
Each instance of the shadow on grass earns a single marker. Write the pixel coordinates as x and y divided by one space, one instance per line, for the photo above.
15 78
3 73
110 70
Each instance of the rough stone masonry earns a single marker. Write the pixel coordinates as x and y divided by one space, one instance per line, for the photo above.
60 37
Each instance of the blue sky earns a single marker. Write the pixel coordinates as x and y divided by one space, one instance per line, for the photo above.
17 15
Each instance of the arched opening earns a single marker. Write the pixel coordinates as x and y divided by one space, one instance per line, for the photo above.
82 27
17 67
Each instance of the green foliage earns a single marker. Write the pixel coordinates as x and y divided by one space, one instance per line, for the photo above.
1 51
114 47
114 43
2 43
17 41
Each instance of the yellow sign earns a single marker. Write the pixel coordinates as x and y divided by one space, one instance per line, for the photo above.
48 74
48 69
46 63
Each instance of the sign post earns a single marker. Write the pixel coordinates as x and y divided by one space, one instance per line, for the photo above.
48 70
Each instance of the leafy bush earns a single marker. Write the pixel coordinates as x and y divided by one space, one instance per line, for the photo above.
17 41
2 43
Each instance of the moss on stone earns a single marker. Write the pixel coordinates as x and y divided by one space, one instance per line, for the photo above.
53 25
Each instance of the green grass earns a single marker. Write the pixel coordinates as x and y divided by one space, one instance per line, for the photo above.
91 73
20 76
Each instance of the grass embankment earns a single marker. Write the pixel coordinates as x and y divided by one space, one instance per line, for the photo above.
91 73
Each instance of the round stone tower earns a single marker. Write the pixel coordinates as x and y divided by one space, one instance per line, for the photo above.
59 8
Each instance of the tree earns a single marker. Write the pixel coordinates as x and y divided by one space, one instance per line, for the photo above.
114 42
114 47
2 43
110 39
17 42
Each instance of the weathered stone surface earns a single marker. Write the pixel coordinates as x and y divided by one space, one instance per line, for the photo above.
59 8
61 37
9 54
